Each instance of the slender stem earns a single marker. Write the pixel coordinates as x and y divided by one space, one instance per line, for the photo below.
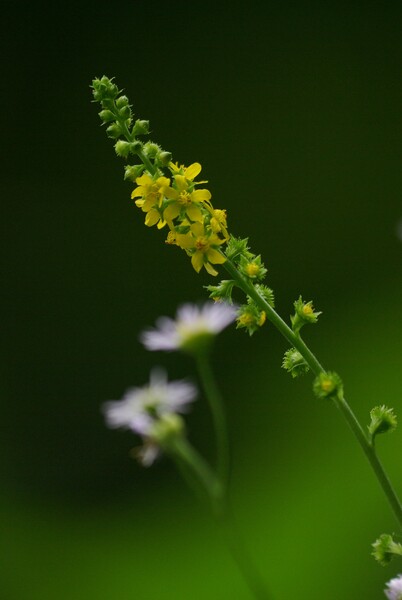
370 452
366 444
218 415
191 463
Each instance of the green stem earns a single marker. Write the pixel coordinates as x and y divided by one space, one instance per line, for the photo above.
218 415
366 445
194 467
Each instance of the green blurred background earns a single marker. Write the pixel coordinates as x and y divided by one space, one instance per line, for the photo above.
294 111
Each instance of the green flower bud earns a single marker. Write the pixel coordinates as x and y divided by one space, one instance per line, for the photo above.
304 314
151 149
384 549
141 127
294 363
122 148
125 112
164 158
122 101
136 146
114 131
328 386
107 115
131 172
383 419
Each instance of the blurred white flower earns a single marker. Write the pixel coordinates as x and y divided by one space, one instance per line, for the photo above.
141 408
394 591
194 326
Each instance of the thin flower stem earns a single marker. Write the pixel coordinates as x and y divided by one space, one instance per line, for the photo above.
366 445
218 415
194 468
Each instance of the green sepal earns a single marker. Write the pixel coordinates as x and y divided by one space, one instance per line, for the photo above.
266 293
383 420
294 363
237 247
223 291
384 549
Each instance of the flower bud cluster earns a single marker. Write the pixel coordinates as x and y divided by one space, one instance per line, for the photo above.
116 113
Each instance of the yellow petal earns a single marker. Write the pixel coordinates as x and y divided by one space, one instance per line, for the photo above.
152 217
198 229
194 213
200 195
192 171
185 240
197 260
139 191
171 211
181 182
215 257
210 269
144 180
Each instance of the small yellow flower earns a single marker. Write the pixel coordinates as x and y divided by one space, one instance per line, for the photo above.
150 194
202 246
186 199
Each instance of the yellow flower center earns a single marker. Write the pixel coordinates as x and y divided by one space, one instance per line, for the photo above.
184 198
327 385
201 244
246 319
252 269
262 319
307 309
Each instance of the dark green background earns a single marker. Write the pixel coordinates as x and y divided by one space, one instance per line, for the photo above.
294 111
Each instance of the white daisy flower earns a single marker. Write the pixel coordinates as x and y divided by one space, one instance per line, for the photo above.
141 408
193 328
394 591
